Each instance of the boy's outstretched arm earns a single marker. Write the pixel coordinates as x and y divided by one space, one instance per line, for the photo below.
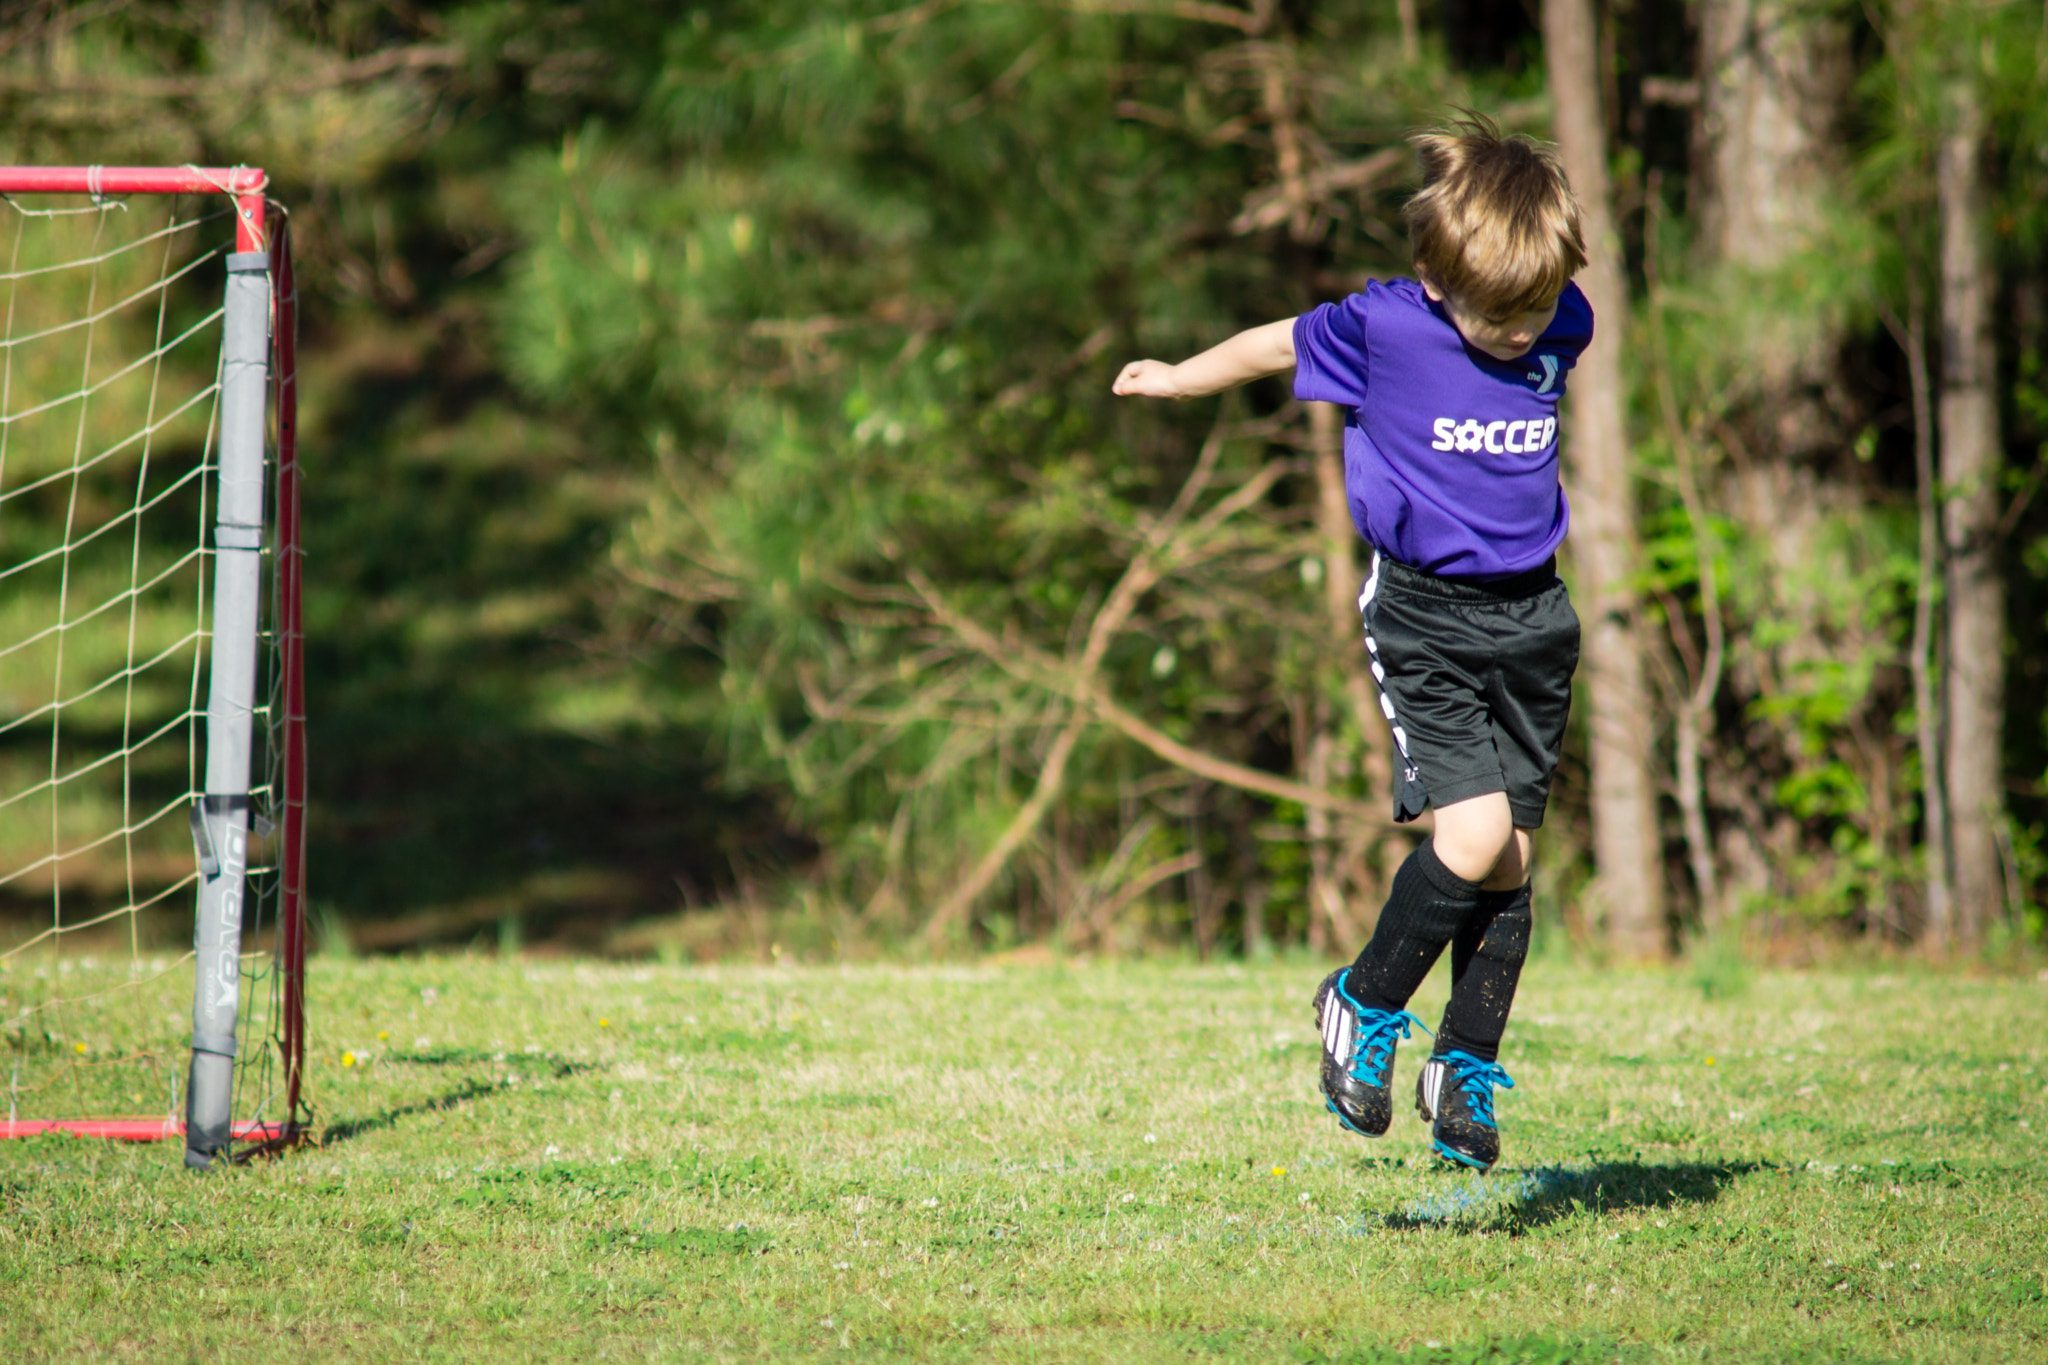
1249 355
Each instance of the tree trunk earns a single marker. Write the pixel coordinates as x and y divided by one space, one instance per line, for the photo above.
1773 74
1694 705
1970 469
1774 80
1629 884
1326 876
1338 553
1937 923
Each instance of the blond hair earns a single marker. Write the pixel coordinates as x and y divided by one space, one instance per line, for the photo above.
1495 222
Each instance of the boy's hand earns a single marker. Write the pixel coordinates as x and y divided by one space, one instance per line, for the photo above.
1147 379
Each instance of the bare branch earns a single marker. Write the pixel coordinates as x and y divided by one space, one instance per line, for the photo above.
922 707
1050 778
1031 665
1104 915
423 57
1675 91
1194 11
910 18
1094 345
1167 544
1273 205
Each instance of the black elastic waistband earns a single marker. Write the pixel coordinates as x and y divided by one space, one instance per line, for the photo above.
1513 588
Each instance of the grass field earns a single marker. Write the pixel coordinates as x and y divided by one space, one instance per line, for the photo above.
1109 1162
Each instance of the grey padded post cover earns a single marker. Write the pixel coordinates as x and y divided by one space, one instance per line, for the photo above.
221 819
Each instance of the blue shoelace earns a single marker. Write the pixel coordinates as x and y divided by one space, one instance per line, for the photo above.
1375 1047
1477 1079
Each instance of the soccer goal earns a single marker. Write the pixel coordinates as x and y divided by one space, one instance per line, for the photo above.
152 697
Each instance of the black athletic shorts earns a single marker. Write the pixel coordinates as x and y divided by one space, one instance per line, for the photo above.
1475 679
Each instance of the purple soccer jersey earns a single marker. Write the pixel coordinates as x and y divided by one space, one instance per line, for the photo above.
1450 456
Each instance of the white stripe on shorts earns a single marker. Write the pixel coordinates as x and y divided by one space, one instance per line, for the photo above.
1379 672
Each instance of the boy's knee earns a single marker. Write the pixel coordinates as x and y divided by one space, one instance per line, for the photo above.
1471 836
1512 870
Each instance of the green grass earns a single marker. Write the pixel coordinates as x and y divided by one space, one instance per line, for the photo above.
565 1160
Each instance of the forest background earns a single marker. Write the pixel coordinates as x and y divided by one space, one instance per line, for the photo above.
721 537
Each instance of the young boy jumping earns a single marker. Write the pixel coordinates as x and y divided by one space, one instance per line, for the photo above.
1451 383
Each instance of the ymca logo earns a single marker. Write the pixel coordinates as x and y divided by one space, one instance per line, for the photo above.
1495 438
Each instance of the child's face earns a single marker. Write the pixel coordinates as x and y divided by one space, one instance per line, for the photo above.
1501 338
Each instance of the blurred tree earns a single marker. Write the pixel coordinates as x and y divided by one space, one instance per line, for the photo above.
723 486
476 760
1771 415
1629 886
1971 465
853 279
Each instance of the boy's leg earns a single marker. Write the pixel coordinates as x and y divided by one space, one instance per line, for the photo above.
1435 892
1433 645
1455 1089
1527 700
1362 1010
1487 954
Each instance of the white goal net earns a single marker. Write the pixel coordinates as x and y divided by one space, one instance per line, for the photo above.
120 395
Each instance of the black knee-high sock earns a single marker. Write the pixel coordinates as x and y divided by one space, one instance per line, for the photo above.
1425 908
1486 964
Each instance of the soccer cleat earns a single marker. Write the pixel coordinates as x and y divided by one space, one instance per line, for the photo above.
1454 1095
1358 1056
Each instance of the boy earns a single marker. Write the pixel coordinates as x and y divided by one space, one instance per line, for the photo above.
1451 381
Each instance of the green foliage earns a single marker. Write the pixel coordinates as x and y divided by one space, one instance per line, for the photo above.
683 386
478 757
1813 576
851 283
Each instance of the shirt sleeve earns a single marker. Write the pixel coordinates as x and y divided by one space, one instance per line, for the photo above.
1571 331
1329 353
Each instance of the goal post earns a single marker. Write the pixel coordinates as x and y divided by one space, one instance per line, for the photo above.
149 534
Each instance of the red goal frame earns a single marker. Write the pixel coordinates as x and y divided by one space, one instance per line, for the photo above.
244 186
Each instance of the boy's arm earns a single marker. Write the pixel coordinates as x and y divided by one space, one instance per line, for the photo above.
1249 355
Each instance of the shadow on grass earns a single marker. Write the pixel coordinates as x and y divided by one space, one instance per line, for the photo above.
1520 1201
558 1068
347 1132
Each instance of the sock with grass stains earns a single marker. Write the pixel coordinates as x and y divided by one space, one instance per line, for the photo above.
1426 907
1487 954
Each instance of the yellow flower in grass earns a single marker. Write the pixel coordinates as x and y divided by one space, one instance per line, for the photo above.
348 1059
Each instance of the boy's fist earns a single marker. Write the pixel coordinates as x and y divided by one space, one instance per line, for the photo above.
1146 379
